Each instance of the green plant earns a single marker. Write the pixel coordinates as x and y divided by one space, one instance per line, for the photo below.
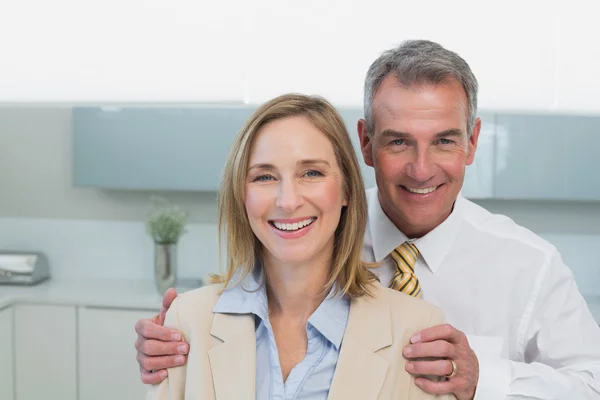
166 222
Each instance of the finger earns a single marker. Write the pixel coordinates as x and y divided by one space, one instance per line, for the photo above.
439 332
434 387
157 363
438 367
153 378
150 330
167 300
160 348
438 349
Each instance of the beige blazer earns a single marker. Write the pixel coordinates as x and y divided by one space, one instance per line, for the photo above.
222 359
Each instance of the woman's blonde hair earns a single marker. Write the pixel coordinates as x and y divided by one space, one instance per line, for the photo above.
348 270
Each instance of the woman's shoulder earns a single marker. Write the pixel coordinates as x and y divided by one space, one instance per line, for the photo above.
404 307
198 300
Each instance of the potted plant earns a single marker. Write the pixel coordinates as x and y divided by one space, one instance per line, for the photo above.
165 224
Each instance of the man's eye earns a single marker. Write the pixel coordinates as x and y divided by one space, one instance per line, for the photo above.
399 142
445 141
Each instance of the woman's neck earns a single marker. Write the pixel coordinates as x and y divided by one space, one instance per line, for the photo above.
296 291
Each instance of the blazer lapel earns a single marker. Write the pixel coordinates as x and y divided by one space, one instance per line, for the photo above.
233 362
368 330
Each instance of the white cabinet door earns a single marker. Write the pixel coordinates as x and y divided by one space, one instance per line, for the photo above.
45 349
6 354
107 357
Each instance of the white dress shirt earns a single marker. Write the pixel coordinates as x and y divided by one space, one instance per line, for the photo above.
509 291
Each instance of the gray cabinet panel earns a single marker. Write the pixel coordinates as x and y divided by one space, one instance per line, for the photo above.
153 148
351 117
164 148
479 176
547 157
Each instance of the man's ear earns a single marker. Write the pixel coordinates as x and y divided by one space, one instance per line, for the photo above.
472 144
366 143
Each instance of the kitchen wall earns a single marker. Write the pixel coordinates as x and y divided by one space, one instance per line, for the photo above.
100 233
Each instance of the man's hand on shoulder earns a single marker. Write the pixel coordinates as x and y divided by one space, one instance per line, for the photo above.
159 348
455 360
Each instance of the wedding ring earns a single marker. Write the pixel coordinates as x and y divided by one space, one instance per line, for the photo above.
454 369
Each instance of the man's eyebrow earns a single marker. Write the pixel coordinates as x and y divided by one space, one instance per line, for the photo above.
448 133
390 133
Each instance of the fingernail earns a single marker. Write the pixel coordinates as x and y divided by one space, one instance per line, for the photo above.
163 374
419 382
410 367
176 337
415 339
179 360
182 349
407 350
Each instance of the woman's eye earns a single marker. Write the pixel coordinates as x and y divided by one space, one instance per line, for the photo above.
263 178
312 173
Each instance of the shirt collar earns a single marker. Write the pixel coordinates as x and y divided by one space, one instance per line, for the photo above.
249 296
433 247
331 316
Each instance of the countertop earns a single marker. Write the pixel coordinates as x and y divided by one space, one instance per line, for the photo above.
124 294
118 293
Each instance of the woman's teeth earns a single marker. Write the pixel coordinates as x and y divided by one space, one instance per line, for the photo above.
295 226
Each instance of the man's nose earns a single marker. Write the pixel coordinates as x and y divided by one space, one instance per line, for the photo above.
422 167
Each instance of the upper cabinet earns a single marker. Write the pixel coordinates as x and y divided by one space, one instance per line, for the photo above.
479 176
547 157
153 148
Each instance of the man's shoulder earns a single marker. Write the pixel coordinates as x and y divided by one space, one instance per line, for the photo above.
502 228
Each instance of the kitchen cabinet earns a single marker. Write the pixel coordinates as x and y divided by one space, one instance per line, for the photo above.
6 354
154 148
479 176
45 338
107 357
547 157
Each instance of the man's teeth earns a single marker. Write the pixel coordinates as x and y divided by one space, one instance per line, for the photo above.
295 226
421 191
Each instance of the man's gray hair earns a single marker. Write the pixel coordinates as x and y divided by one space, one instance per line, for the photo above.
417 62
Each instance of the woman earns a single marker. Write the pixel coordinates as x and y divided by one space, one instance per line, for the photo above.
298 314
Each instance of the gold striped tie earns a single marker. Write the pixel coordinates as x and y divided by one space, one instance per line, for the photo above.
404 278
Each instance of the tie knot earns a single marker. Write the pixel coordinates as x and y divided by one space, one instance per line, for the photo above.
404 279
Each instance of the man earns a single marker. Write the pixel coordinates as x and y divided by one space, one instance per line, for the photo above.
518 326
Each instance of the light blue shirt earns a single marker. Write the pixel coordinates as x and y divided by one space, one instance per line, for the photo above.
311 378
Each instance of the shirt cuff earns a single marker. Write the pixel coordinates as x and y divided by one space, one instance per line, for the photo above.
494 379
